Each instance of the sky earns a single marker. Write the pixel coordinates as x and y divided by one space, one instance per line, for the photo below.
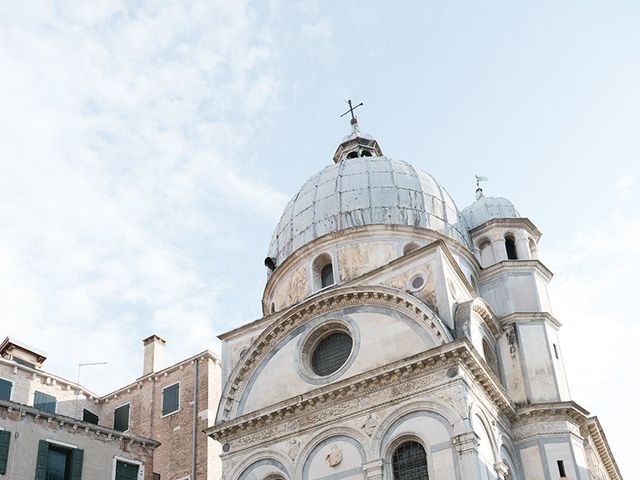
147 150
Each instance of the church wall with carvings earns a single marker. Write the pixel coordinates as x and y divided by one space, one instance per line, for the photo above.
358 439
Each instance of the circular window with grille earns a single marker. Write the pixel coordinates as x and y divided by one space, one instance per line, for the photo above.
327 350
331 353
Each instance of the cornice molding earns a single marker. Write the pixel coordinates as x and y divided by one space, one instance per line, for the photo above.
503 266
593 428
458 352
518 222
74 424
526 317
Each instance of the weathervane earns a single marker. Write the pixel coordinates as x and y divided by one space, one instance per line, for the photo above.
479 179
354 119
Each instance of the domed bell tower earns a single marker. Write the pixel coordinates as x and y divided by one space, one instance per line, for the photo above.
515 283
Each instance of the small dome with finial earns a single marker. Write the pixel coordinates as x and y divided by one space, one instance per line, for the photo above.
487 208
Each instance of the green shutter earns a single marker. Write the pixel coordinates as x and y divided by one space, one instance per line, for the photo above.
77 455
5 389
170 399
44 401
5 439
41 465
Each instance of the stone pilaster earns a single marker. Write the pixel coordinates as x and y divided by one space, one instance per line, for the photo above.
373 470
499 250
522 249
467 447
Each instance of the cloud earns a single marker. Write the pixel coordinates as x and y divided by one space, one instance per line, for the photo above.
119 127
593 295
319 30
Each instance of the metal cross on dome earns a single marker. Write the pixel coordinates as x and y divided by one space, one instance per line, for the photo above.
354 120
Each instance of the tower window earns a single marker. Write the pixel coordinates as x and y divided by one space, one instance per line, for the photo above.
561 470
510 244
555 351
352 155
410 462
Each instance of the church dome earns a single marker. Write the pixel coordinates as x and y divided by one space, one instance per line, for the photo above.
488 208
366 190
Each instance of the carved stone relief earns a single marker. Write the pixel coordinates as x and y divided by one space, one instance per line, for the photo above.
334 457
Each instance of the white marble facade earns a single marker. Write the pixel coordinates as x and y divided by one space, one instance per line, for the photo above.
402 339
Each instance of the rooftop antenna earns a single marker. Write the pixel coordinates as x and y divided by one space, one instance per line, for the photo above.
479 193
86 364
354 119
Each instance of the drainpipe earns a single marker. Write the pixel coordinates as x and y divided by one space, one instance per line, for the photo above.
196 389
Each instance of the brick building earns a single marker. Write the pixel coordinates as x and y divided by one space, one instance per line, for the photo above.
150 429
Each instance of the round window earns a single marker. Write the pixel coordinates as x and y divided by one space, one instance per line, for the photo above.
417 283
331 353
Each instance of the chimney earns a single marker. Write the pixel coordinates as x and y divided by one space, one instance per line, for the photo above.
153 353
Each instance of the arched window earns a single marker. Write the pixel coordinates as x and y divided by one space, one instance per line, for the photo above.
352 155
326 275
410 247
510 244
323 274
410 462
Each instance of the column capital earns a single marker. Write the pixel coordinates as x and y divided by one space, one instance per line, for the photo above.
466 442
373 469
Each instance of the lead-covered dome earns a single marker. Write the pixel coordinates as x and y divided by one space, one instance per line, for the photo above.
488 208
369 190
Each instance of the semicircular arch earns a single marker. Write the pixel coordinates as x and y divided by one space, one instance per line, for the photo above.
332 300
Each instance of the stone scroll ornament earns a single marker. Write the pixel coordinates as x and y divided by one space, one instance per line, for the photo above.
334 457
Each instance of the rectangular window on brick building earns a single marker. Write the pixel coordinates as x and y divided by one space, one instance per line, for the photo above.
170 399
5 389
126 471
121 418
89 417
57 462
5 440
44 401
